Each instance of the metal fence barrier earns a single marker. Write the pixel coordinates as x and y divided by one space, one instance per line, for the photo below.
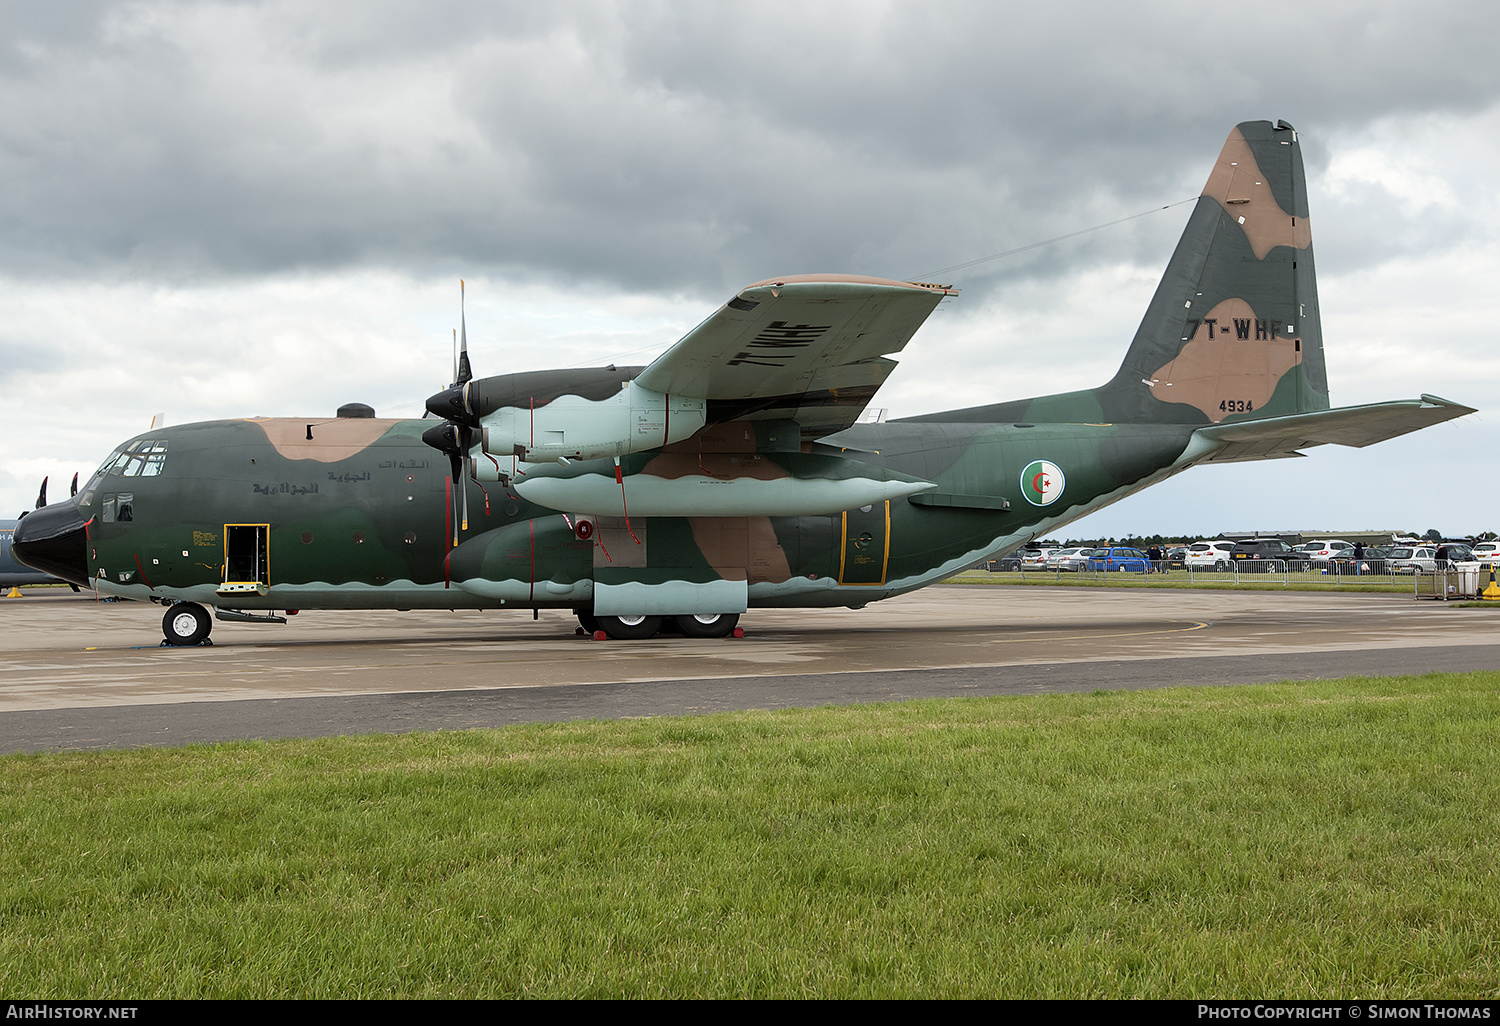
1459 581
1243 571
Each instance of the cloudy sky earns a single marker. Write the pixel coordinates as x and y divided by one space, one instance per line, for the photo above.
228 209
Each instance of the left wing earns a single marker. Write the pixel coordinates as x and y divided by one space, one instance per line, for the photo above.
809 348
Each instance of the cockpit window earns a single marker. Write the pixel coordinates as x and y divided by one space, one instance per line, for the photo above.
144 457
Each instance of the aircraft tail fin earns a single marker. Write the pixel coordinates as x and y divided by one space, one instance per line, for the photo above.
1233 332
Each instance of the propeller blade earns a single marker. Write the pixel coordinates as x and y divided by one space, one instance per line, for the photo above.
41 498
73 489
464 444
453 466
454 436
464 373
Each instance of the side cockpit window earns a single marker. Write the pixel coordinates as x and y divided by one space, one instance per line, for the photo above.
118 508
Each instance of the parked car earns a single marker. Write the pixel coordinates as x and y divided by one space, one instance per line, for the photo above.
1175 558
1260 551
1458 551
1035 559
1374 560
1486 552
1409 559
1322 551
1070 560
1004 563
1209 555
1119 558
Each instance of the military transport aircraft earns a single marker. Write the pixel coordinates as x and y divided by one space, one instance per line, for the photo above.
732 472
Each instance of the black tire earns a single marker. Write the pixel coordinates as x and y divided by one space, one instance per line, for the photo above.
629 628
706 625
186 623
587 620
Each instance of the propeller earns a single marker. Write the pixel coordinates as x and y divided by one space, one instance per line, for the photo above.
455 435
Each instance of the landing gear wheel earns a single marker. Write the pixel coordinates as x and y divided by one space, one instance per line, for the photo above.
587 620
186 623
629 628
707 625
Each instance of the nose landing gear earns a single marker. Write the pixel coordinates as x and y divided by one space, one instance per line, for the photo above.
186 623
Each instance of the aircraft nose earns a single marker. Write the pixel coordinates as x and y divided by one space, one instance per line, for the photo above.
52 540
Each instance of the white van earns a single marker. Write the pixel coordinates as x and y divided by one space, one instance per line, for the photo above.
1209 555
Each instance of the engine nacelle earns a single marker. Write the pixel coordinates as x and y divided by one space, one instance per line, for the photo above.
573 428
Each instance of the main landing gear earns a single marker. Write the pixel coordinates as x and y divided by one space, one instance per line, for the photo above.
635 628
186 623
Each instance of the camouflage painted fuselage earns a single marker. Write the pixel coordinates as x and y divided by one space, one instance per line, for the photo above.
368 528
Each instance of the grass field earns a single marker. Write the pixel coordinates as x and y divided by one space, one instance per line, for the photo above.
1332 839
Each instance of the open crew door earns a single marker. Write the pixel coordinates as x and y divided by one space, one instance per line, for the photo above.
247 564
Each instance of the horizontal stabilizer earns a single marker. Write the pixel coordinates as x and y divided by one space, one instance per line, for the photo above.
1358 426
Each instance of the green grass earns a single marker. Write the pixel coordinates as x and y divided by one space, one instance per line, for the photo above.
1295 840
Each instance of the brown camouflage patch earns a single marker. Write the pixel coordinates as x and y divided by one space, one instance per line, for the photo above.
1231 364
332 440
672 465
741 548
1240 188
733 436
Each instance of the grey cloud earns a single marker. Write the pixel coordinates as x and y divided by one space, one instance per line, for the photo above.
660 145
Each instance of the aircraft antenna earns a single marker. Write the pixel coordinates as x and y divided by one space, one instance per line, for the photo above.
932 275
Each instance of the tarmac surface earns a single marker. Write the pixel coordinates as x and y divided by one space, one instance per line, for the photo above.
81 674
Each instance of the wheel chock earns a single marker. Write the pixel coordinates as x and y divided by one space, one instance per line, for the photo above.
600 636
16 592
579 632
739 632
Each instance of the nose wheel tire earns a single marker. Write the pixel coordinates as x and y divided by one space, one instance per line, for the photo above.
186 623
707 625
629 628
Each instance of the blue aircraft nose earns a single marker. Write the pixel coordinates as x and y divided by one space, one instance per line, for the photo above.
53 541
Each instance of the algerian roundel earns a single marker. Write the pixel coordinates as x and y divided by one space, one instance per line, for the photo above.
1042 482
